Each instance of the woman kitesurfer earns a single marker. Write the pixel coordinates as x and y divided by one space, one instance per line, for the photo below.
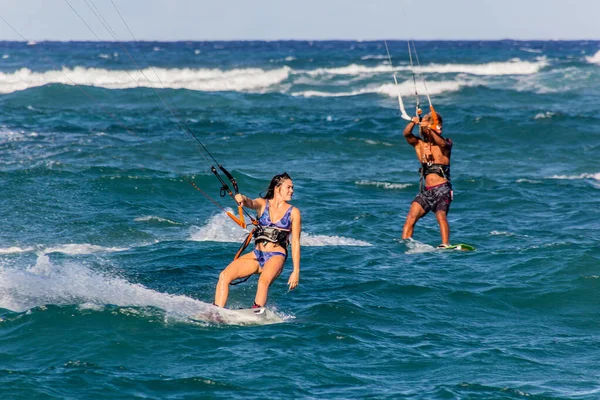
279 224
433 151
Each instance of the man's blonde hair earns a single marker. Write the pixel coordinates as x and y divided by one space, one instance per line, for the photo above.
429 118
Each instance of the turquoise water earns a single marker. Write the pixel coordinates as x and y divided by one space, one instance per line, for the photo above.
107 252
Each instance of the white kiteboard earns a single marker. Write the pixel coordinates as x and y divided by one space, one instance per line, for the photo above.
244 316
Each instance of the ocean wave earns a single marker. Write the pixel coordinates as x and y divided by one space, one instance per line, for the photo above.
74 284
405 88
15 249
352 69
595 59
70 249
85 248
595 176
547 114
277 60
511 67
309 239
152 218
247 79
384 185
525 180
108 56
528 50
501 233
257 79
557 80
374 57
372 142
46 284
219 228
7 135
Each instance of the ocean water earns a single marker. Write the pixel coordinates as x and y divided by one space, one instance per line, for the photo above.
107 252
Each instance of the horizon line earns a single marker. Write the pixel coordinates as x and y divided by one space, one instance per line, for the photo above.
299 40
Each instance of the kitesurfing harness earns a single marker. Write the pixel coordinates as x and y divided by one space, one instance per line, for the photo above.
430 168
271 234
438 169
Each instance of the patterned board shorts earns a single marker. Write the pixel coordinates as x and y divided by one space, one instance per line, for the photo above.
437 198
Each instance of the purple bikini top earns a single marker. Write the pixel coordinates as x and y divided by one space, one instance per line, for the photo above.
284 223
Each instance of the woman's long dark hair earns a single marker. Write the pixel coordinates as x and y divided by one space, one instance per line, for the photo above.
275 182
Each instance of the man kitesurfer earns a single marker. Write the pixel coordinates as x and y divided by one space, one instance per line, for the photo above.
279 224
435 190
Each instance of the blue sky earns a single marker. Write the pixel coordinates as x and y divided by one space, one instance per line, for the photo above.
304 19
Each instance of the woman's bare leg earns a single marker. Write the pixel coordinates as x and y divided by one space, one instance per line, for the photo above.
240 268
270 272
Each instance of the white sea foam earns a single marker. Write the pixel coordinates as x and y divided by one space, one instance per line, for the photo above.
11 136
288 59
45 283
405 88
524 180
384 185
5 56
152 218
309 239
374 57
595 176
248 79
511 67
501 233
595 59
372 142
220 228
15 249
352 69
528 50
256 79
316 93
416 247
75 284
85 248
545 115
